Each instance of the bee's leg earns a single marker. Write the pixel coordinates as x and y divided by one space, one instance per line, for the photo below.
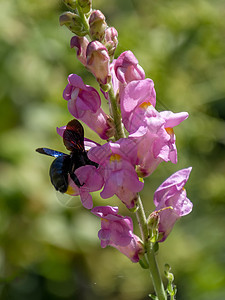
93 163
76 180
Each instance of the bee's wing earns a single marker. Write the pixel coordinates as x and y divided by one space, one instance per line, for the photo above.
68 200
50 152
73 136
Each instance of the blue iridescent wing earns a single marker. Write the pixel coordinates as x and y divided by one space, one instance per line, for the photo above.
50 152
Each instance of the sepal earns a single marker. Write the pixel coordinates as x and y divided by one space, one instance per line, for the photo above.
144 263
85 5
73 22
72 4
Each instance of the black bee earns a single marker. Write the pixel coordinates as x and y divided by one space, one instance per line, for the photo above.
65 164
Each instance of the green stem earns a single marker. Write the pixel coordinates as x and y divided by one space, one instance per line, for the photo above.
116 115
154 272
153 267
83 18
141 218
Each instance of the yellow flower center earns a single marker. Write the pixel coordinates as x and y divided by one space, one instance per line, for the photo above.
145 105
169 130
105 220
70 190
114 157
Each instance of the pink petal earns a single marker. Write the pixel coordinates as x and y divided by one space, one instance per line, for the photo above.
173 119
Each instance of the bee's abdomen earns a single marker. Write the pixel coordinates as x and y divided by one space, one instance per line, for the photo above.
59 173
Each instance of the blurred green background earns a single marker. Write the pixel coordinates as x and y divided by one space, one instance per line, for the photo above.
48 251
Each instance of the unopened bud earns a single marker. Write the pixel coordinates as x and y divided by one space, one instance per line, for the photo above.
153 219
85 5
167 272
153 224
73 22
171 287
111 40
71 3
80 43
97 25
98 62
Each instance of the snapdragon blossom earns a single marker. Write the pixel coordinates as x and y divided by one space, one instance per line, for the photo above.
91 181
127 68
151 130
155 137
171 193
117 165
117 231
84 103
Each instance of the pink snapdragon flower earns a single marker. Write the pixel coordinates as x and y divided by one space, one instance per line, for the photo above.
155 137
117 231
91 181
137 94
151 139
123 70
117 166
151 130
84 103
127 68
172 193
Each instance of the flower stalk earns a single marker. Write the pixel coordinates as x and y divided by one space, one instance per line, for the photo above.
83 18
150 252
154 272
142 221
116 114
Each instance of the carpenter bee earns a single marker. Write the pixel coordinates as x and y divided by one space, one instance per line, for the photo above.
65 164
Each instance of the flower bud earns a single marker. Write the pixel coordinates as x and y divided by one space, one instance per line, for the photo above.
97 25
73 22
153 224
168 274
111 40
85 5
71 3
80 43
98 61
